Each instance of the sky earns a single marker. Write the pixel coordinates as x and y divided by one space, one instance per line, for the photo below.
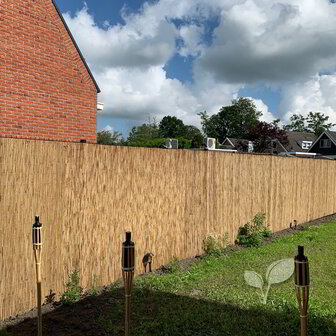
180 57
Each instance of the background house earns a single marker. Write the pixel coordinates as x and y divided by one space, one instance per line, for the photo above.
47 90
300 141
297 142
325 144
241 145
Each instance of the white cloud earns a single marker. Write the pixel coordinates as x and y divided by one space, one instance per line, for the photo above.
128 63
261 106
211 93
130 45
278 42
187 10
314 95
191 35
271 41
137 93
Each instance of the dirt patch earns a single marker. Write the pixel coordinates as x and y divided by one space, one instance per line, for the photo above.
80 318
300 227
183 265
186 264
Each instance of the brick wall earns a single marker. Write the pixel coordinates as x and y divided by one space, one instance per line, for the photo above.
46 92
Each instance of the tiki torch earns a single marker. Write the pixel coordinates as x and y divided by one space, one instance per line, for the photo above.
127 264
302 288
37 247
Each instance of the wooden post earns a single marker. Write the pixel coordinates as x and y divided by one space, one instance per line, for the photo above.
37 248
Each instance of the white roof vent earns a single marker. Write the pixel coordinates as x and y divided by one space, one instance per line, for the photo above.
250 148
172 143
210 143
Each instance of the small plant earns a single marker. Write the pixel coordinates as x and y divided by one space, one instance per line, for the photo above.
114 285
50 298
94 287
175 265
73 290
213 243
252 233
279 271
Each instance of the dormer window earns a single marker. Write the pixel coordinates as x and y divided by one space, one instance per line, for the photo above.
306 144
325 143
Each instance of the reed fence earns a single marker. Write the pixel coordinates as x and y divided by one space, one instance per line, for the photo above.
87 196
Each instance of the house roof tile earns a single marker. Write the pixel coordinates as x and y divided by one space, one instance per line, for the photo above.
332 135
295 139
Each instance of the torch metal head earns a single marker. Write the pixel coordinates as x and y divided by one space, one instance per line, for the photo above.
128 254
301 268
37 234
37 222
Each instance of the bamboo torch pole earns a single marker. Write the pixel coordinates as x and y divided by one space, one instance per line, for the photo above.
302 288
37 248
128 267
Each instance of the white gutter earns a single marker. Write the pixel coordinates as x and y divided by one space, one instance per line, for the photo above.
223 150
300 153
297 154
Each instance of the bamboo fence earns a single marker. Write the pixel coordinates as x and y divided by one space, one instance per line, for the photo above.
88 196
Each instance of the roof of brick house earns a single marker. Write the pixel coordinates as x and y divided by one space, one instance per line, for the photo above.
75 44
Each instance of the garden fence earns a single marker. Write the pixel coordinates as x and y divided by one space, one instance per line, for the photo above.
88 195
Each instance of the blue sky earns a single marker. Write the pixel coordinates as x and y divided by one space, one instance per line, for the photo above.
180 57
101 10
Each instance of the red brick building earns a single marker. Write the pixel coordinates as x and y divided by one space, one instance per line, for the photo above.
47 90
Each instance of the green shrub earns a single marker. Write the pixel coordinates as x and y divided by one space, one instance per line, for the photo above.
213 243
258 223
160 143
253 232
73 289
116 284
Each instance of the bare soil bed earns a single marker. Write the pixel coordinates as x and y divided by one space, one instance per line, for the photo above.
81 317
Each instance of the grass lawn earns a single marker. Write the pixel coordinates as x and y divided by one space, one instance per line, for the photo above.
212 298
209 298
